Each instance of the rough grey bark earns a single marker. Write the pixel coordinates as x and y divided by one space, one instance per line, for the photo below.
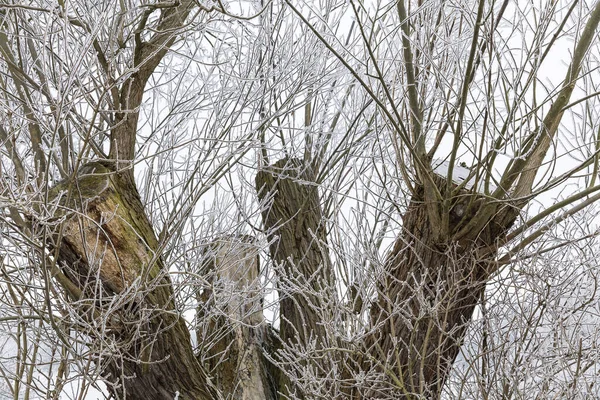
106 246
297 233
293 221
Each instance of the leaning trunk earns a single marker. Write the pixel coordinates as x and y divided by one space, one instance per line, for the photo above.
106 246
426 298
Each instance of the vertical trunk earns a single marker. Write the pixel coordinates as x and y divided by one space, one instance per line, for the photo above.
236 333
106 246
296 230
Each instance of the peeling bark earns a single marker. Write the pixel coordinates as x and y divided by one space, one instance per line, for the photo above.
234 305
107 248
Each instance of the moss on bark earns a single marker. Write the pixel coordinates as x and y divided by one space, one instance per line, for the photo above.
106 245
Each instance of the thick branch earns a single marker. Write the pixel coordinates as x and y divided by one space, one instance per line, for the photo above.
527 169
146 58
296 230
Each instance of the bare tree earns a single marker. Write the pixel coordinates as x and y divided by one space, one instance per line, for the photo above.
298 199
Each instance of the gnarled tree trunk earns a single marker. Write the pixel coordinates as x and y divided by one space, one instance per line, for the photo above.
107 247
427 296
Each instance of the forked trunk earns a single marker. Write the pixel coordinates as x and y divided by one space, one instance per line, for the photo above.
427 298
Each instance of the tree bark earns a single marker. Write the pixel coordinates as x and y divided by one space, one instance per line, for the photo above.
147 56
427 298
107 247
236 332
293 221
298 245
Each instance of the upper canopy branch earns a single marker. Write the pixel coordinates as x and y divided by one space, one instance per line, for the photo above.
147 56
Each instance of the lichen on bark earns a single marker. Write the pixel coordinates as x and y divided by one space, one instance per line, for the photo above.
106 245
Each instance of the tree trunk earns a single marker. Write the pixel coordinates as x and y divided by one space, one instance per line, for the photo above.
298 245
427 298
236 333
294 224
106 246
